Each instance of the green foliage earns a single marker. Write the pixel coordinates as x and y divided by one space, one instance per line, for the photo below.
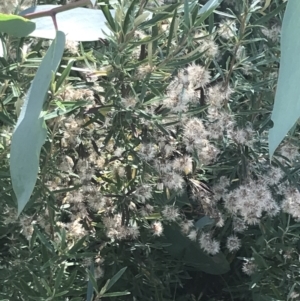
154 182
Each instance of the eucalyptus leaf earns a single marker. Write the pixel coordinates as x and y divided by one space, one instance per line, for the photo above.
203 222
16 26
286 109
30 132
78 24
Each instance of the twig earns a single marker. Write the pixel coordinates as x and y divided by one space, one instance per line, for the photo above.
52 12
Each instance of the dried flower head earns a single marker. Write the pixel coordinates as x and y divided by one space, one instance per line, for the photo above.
72 46
157 228
249 267
170 213
128 102
144 70
272 33
193 235
251 201
143 193
147 151
291 203
208 244
183 164
173 181
227 29
233 243
186 226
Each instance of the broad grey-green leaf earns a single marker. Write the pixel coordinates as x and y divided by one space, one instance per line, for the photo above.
30 132
78 24
16 25
203 222
286 109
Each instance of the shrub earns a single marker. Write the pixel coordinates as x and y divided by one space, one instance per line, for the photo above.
155 177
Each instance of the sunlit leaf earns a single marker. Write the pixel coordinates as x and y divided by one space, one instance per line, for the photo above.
15 25
286 109
30 132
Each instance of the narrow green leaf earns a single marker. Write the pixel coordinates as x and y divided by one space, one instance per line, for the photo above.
259 260
129 13
65 74
147 40
43 239
194 13
89 293
58 277
167 13
286 109
63 238
206 10
155 35
93 281
47 286
71 107
16 25
26 288
62 293
187 59
104 288
38 285
32 241
115 278
109 18
77 246
30 132
187 20
163 130
69 282
171 31
115 294
267 17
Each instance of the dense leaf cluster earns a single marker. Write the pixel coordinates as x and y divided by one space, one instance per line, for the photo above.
154 181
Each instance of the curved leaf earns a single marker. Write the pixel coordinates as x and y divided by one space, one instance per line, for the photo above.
286 109
30 132
90 289
78 24
207 9
16 25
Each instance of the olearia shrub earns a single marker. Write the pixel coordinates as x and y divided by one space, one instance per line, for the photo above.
156 161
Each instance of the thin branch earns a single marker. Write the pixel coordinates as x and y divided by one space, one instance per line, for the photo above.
52 12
